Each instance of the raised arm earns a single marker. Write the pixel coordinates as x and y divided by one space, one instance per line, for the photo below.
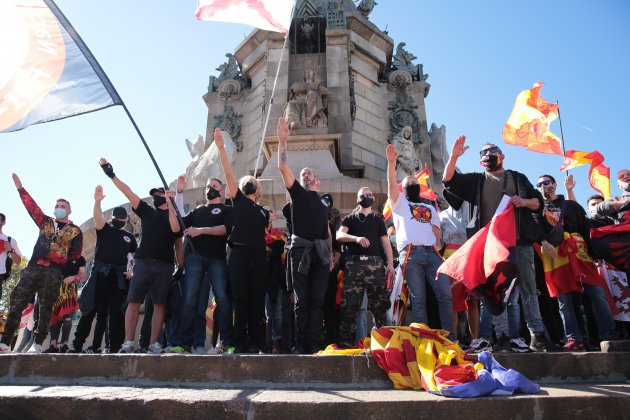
124 188
569 185
31 206
179 195
99 220
392 185
283 136
458 149
172 214
225 162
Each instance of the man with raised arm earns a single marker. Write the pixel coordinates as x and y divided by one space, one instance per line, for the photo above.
154 258
311 248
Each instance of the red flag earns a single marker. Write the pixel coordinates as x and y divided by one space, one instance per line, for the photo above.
598 174
529 122
272 15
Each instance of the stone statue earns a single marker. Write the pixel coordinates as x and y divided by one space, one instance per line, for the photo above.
227 70
366 7
407 163
205 161
308 101
403 60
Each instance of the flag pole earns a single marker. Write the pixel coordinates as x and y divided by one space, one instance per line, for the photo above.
564 152
273 91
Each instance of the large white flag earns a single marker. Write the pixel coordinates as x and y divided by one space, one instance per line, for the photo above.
272 15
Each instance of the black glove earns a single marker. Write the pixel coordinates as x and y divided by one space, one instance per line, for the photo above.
178 274
108 169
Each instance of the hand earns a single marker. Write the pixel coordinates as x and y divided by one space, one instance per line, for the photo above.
459 147
282 130
16 181
569 182
331 266
128 274
107 167
181 183
98 194
364 242
391 154
169 194
69 279
390 269
517 201
549 249
193 232
218 138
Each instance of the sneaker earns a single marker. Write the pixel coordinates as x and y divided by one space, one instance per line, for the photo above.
230 350
540 343
502 345
213 351
173 349
35 348
74 351
519 345
127 347
573 345
198 350
4 348
140 350
51 349
92 350
63 349
155 348
478 345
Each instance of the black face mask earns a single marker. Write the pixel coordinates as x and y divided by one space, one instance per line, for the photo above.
412 192
211 194
118 224
158 201
491 163
249 188
366 202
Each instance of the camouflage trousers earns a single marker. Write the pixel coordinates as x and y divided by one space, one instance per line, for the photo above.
46 282
360 277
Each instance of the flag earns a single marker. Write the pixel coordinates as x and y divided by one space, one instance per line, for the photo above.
425 191
272 15
598 174
612 243
617 282
528 125
47 71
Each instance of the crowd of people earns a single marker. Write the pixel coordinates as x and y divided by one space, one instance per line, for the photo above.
297 290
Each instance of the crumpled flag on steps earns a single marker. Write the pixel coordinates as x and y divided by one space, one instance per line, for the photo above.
419 357
362 347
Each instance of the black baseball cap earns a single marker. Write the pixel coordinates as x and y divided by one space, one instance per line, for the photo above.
119 213
158 189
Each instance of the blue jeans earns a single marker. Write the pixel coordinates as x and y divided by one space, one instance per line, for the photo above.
202 273
422 266
527 287
603 317
273 311
508 323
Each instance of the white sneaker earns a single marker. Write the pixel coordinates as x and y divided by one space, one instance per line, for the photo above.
519 345
478 345
35 348
127 347
4 348
155 348
215 350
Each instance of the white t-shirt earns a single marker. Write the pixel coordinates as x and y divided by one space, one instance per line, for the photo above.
413 223
3 254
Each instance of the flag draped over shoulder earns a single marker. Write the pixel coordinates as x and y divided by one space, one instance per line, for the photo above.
272 15
528 125
47 72
598 174
425 191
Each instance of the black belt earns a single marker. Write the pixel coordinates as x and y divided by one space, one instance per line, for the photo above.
365 258
422 246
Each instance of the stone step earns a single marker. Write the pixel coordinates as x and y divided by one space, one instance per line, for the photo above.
578 401
282 371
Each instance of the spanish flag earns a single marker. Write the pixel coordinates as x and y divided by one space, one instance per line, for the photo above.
598 174
425 191
528 125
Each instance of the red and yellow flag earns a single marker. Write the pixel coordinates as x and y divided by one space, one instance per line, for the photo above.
528 125
425 191
598 175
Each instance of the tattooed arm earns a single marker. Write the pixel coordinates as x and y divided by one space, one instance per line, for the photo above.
283 135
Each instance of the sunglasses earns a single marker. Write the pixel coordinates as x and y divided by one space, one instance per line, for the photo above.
493 149
545 183
366 196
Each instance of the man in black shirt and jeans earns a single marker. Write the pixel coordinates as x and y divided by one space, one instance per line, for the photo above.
154 259
106 289
364 234
311 248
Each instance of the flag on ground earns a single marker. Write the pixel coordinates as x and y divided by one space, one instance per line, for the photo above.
598 174
425 191
272 15
528 125
47 72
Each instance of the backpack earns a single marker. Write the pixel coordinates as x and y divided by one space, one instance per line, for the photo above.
8 265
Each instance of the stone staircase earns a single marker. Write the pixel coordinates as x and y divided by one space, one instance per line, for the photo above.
82 386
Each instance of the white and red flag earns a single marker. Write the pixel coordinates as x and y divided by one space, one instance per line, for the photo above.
272 15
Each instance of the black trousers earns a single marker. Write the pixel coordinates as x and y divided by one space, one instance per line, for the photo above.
109 307
248 270
310 291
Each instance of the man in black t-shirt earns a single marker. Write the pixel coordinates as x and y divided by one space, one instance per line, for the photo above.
208 227
154 258
365 236
311 249
105 291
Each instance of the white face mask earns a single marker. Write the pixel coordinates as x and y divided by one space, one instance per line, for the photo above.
593 211
624 186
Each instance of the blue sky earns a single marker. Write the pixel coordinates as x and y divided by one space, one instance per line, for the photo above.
479 56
